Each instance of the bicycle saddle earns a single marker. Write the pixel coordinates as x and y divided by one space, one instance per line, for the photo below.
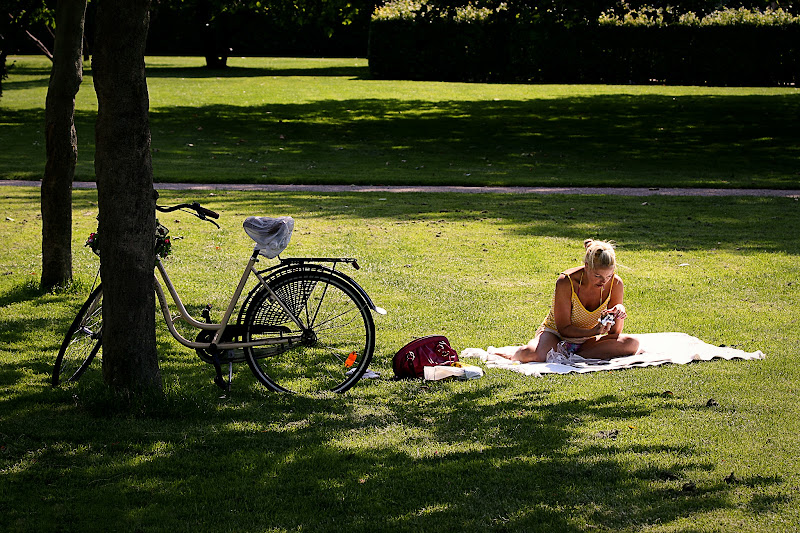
271 234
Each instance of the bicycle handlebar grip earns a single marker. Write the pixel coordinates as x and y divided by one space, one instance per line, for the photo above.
205 212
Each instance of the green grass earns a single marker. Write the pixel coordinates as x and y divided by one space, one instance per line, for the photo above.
504 453
268 120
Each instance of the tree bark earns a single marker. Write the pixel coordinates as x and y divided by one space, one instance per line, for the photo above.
125 197
61 144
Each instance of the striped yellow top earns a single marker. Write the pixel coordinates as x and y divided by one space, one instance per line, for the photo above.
579 315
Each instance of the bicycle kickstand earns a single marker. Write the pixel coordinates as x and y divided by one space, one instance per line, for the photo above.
218 379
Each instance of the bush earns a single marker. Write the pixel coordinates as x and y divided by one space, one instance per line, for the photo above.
410 40
651 16
422 10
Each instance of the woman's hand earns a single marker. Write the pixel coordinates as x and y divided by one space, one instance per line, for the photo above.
618 311
603 326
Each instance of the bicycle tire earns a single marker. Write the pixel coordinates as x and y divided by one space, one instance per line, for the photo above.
338 334
82 341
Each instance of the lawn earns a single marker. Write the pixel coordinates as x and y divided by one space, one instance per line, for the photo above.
504 452
285 120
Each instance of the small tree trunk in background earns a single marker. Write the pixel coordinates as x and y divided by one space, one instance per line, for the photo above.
61 144
214 35
3 69
125 197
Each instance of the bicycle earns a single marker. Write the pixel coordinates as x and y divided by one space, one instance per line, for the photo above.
304 327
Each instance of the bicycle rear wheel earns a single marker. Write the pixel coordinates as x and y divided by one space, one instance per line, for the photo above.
335 343
82 341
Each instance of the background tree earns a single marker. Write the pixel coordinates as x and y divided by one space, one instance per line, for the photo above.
217 29
61 144
126 197
17 18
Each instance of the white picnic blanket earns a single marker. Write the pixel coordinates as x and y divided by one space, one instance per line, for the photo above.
654 349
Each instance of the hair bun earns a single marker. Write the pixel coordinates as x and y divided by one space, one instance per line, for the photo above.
599 254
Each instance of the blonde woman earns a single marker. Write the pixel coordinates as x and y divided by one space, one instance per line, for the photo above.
587 314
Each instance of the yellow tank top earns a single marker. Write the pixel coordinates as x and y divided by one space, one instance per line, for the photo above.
579 315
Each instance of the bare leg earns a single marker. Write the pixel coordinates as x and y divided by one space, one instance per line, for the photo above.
609 347
537 349
505 351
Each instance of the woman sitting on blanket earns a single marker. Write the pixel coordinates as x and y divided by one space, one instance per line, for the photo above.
577 323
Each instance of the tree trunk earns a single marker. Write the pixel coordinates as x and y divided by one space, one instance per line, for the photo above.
125 196
216 62
62 144
214 34
3 69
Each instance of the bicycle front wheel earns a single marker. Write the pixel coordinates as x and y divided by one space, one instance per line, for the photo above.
82 341
332 349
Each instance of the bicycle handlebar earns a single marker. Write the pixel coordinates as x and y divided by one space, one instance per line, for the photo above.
201 211
206 212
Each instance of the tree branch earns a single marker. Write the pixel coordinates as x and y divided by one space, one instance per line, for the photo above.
39 44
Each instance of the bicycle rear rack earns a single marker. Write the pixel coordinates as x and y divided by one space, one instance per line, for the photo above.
334 260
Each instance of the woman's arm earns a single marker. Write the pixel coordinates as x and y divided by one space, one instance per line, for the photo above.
616 307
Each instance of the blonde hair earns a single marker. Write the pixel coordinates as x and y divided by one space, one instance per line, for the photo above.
599 254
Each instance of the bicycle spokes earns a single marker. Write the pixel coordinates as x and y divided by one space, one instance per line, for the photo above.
336 343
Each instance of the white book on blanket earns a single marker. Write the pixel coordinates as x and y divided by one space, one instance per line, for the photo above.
436 373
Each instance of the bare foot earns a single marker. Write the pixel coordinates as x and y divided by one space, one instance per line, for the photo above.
506 351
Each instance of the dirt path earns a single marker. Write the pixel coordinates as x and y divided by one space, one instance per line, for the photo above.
620 191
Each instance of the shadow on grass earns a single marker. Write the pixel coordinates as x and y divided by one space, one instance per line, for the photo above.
27 84
654 223
26 69
405 455
619 140
22 292
602 140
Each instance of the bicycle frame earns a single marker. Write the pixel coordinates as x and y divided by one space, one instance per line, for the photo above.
288 310
221 327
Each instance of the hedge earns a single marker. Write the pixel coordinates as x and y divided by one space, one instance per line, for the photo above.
501 49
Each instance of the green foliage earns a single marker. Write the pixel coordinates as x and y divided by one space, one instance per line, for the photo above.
398 10
649 16
428 10
24 13
629 451
749 17
646 16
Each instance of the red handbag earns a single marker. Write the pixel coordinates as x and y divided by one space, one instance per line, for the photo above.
433 350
